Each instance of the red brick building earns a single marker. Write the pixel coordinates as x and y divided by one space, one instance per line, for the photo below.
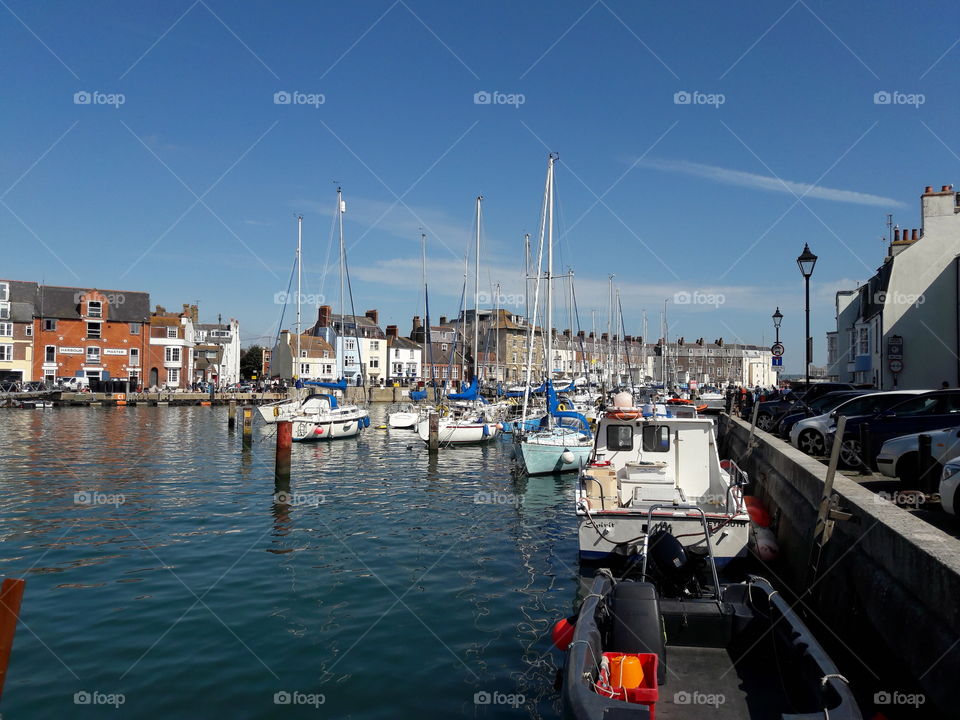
84 332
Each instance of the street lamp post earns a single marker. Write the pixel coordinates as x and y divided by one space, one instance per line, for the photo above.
777 319
806 262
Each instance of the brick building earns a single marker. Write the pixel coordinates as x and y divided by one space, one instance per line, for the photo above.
16 330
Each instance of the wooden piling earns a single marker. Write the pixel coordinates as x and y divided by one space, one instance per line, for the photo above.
284 445
10 596
433 442
232 415
247 426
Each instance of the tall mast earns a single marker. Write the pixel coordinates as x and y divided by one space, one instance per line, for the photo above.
496 336
476 298
296 364
549 323
341 334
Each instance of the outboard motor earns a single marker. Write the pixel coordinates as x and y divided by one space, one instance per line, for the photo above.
670 562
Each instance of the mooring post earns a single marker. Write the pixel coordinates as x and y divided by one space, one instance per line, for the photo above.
925 483
10 596
433 442
231 414
247 426
866 449
284 444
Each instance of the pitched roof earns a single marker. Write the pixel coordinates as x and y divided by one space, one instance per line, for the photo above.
403 343
22 298
63 303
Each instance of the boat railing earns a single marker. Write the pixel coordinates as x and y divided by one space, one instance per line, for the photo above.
706 534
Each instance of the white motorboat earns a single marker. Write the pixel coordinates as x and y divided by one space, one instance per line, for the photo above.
462 426
280 410
655 463
405 417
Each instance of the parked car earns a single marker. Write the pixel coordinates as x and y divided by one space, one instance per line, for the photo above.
922 413
772 410
814 435
899 457
949 482
823 404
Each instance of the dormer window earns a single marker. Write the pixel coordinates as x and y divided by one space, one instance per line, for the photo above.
171 332
94 308
4 292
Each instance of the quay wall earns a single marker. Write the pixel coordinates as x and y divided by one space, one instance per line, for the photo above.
354 394
888 583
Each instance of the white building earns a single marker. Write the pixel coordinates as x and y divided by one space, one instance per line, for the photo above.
317 360
404 357
227 337
900 328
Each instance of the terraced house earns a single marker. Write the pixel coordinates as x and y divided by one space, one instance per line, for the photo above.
16 330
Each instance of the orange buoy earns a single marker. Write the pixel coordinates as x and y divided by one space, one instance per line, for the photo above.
562 633
758 515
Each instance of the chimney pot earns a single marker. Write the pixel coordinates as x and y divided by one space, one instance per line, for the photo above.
927 190
443 319
373 315
913 235
323 318
896 232
945 188
391 331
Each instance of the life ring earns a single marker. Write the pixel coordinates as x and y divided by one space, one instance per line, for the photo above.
562 407
624 414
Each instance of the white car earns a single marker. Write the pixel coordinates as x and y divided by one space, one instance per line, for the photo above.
948 485
898 457
810 435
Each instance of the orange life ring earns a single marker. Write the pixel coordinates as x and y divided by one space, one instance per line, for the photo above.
624 414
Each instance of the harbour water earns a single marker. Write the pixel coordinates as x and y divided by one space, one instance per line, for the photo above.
165 580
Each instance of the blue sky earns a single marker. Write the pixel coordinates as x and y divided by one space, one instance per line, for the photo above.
190 187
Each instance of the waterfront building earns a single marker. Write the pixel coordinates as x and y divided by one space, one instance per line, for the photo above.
170 359
901 328
404 357
224 338
317 359
442 351
359 343
87 332
16 330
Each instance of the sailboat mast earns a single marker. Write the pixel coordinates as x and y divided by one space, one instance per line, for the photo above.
476 297
548 328
296 364
340 332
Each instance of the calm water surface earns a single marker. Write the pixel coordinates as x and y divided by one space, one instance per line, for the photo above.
396 584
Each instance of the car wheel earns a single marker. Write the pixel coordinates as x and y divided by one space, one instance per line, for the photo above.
764 421
850 454
811 442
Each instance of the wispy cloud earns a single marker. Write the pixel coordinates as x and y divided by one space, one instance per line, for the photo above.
728 176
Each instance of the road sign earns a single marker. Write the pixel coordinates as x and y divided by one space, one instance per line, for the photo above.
895 347
777 349
777 361
896 366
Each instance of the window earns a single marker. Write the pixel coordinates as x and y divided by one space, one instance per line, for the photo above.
4 311
619 437
171 354
6 329
303 353
4 292
864 343
94 308
93 330
443 347
305 369
50 325
93 354
211 354
374 362
350 344
134 328
374 345
28 330
50 353
171 332
656 438
923 405
6 353
134 357
173 376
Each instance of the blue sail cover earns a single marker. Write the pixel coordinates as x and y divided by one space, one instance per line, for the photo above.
472 392
417 395
342 385
535 391
569 414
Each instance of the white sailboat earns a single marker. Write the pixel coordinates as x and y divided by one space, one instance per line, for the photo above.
554 449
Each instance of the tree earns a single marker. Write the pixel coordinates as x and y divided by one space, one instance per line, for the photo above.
251 362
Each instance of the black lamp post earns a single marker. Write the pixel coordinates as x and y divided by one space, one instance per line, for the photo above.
777 319
806 263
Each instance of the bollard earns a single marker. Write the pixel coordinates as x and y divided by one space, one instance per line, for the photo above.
284 444
247 426
231 415
866 449
433 441
925 483
10 596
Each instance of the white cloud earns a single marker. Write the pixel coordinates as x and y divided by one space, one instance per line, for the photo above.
740 178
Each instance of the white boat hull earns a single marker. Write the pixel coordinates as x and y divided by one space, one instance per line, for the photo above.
458 432
403 420
275 412
320 427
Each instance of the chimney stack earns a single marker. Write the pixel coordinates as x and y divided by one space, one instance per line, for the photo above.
946 188
896 232
913 235
603 337
323 317
566 333
928 189
443 319
373 315
592 336
581 334
392 331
